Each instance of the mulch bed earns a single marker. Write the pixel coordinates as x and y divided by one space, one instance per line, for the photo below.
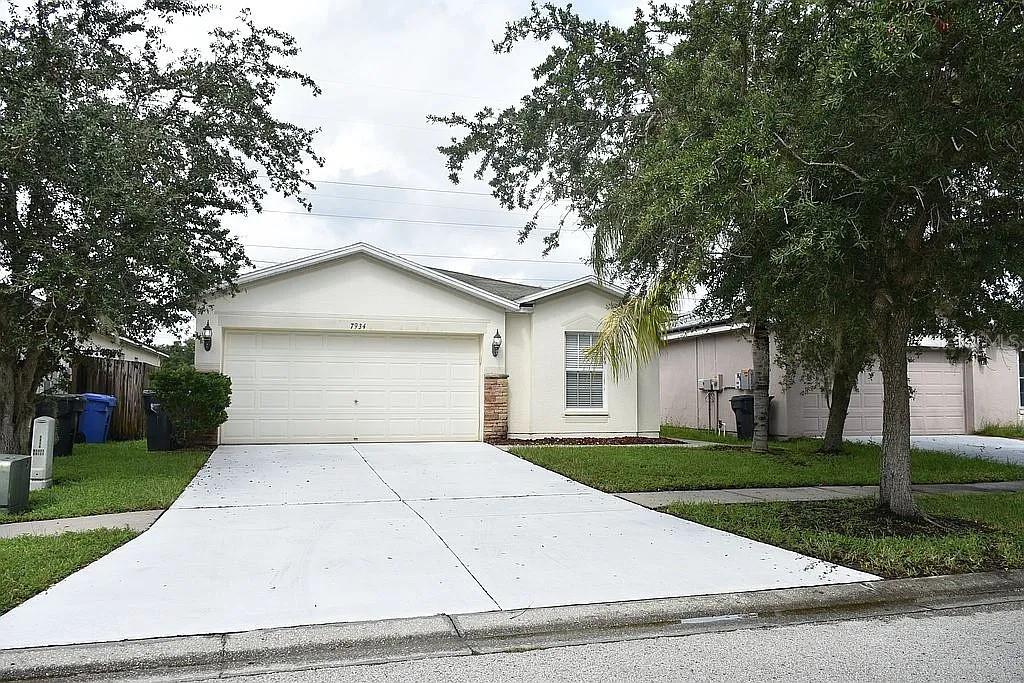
585 441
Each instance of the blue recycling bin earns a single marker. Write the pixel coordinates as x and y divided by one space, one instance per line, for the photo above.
94 424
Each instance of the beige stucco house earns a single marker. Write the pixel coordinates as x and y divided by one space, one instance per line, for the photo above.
358 344
702 367
948 398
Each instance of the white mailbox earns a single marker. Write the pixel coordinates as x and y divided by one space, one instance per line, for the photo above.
44 430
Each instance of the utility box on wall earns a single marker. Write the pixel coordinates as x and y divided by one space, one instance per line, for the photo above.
745 379
44 433
713 383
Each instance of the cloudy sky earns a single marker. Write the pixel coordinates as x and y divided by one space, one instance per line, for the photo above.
383 67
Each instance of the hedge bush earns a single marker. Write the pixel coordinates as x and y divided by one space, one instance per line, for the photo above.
195 402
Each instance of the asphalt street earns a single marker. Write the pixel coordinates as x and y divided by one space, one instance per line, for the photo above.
962 644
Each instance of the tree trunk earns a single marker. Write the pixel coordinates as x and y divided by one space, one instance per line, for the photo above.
843 382
16 412
761 361
895 493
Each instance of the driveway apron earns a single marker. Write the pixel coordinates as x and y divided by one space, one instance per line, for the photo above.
273 536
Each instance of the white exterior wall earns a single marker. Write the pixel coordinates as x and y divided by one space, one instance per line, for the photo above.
128 350
993 389
519 364
631 402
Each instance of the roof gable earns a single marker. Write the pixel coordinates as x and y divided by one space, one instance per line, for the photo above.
361 248
587 281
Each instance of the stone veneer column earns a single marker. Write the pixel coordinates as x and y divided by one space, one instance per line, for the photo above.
495 407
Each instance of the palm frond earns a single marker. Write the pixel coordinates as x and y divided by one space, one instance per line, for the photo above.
631 332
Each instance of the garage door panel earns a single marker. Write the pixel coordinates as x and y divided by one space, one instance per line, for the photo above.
434 399
270 400
272 371
405 371
239 370
463 372
463 399
274 342
323 387
402 400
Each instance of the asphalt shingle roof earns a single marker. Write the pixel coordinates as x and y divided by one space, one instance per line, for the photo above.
503 288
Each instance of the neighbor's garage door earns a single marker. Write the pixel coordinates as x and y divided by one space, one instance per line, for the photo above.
937 406
300 387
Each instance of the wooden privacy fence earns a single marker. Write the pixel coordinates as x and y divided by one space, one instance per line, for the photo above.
124 379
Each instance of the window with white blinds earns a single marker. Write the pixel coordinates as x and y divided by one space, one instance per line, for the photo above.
584 380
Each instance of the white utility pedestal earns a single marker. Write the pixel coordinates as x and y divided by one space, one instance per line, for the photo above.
44 431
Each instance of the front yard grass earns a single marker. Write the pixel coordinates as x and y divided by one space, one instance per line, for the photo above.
111 477
968 533
790 463
1012 430
30 564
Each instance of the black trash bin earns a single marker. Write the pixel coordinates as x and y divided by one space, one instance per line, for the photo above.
66 410
743 409
159 436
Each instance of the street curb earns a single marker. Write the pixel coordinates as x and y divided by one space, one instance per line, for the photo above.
290 648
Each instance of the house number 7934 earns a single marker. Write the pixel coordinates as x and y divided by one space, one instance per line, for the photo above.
357 326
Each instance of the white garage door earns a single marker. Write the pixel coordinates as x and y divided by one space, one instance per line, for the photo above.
304 387
937 406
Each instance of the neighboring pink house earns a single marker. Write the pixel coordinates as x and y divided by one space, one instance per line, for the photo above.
949 398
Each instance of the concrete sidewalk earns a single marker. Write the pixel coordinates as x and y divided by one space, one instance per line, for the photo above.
658 499
135 521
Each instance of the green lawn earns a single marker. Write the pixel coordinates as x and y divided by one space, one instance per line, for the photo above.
968 533
1013 430
112 477
790 463
30 564
691 434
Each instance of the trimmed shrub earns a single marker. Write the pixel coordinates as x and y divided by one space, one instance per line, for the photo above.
194 401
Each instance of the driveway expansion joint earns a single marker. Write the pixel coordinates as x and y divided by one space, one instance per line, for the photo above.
432 530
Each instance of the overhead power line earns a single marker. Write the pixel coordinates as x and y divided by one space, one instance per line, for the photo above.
472 226
317 193
400 187
460 257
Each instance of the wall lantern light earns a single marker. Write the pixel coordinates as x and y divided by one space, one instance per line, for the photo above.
496 344
207 336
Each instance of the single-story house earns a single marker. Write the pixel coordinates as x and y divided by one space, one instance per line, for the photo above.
127 349
358 344
703 365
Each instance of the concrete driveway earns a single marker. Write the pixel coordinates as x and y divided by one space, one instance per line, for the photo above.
968 445
270 536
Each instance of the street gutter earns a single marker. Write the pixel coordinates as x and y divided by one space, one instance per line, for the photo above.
346 644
